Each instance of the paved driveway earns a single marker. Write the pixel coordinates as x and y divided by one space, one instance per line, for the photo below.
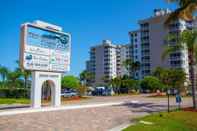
87 119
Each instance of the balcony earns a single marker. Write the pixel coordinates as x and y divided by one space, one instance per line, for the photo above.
145 60
144 41
146 54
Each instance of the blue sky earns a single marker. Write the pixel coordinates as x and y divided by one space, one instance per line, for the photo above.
89 22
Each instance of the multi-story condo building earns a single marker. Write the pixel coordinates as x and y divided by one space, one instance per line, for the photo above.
153 33
123 53
178 59
146 47
106 62
102 62
135 40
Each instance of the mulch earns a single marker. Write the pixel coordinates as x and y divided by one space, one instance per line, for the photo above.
189 109
72 98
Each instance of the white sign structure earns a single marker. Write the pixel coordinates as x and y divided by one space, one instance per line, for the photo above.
45 50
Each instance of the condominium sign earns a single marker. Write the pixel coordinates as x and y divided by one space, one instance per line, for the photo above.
44 49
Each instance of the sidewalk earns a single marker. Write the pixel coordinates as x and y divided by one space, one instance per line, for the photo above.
46 109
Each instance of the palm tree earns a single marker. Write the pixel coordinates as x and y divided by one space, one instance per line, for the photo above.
24 73
86 76
136 66
187 40
163 75
3 73
116 84
185 11
12 78
131 66
128 65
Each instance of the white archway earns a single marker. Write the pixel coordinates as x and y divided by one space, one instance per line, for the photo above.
48 92
38 78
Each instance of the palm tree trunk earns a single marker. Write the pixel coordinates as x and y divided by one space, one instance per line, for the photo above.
193 79
25 82
193 84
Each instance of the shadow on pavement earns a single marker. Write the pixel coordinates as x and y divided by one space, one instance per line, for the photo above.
13 107
144 107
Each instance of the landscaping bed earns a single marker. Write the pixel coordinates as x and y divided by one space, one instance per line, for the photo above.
9 101
190 109
173 121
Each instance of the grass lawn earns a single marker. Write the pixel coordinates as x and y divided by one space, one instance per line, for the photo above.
173 121
14 101
10 101
165 96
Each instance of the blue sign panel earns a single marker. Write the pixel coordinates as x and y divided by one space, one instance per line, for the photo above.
178 99
47 39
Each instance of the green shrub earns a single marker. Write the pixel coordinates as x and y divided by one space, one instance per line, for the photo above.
70 82
151 83
14 93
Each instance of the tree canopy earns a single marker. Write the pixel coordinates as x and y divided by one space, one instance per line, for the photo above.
70 82
151 83
171 78
86 77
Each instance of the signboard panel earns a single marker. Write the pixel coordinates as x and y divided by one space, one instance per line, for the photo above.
45 50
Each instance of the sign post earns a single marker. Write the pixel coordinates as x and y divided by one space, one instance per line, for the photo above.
45 50
178 100
168 93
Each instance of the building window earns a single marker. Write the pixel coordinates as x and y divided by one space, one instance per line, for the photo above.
136 74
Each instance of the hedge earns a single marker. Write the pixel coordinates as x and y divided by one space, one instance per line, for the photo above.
14 93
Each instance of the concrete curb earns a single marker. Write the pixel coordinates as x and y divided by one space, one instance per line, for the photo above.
46 109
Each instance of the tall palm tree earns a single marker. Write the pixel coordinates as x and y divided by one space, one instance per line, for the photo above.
131 66
116 84
136 65
185 10
163 75
128 65
187 40
86 76
12 78
3 73
24 73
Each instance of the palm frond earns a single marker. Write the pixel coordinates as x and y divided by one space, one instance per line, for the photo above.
189 37
170 49
185 11
194 52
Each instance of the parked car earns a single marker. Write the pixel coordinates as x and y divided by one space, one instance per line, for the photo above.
69 94
145 91
102 91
